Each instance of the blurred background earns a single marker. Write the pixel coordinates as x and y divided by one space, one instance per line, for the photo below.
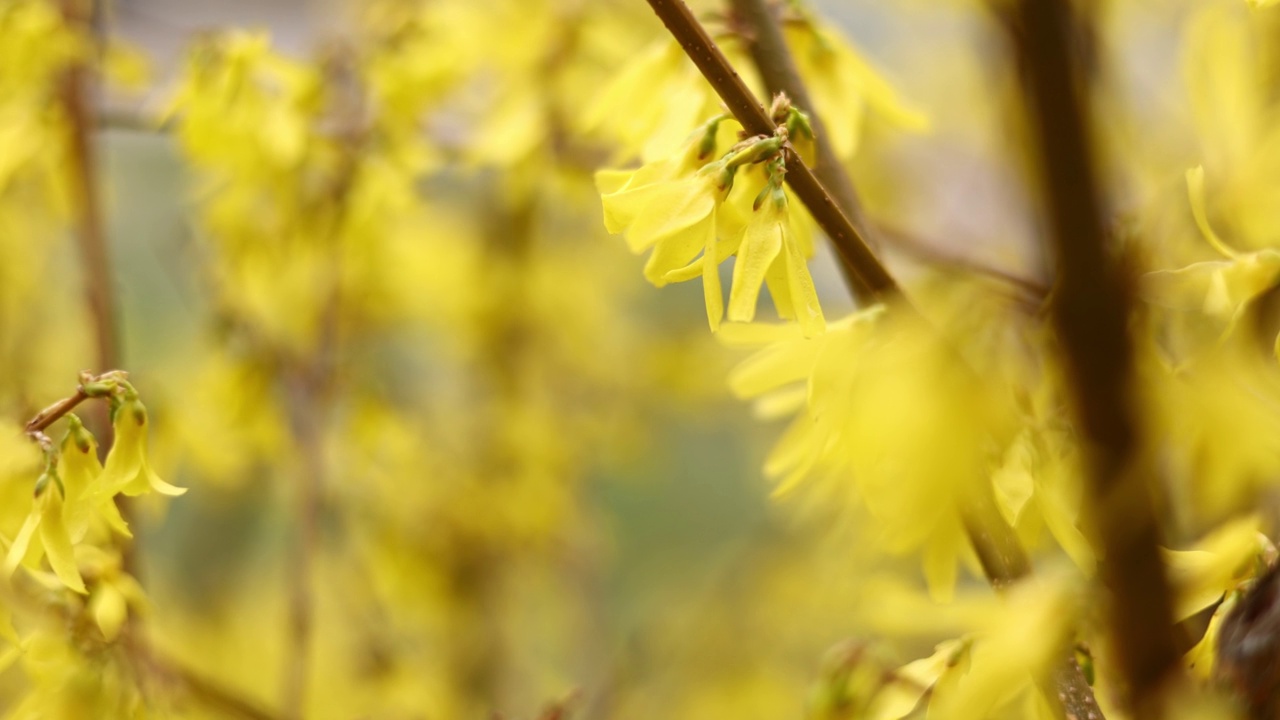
619 542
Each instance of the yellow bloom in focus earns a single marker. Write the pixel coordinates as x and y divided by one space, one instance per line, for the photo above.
81 472
674 215
769 250
127 470
55 542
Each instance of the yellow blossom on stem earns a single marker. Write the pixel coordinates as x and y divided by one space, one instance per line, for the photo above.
55 542
671 209
127 470
769 248
82 477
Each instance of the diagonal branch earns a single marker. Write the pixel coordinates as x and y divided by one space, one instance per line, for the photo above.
772 58
764 38
869 276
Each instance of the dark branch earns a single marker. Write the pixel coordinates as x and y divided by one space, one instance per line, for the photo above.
1091 314
870 277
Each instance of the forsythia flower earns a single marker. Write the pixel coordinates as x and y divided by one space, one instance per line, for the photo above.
770 250
55 541
670 206
127 470
87 498
676 219
679 207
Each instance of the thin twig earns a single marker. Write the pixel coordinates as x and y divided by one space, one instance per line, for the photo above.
761 30
869 276
55 412
772 58
1091 314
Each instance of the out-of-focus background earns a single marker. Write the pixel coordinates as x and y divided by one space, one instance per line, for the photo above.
665 582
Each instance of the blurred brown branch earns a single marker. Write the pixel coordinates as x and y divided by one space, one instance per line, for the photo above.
1091 313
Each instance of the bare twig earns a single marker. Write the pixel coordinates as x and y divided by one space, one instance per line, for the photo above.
1091 314
772 58
868 275
761 30
55 412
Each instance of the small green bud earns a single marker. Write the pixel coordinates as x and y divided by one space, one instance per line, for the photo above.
707 146
756 152
798 124
78 434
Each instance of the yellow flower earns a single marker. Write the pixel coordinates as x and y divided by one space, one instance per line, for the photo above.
664 208
86 497
127 470
55 542
769 251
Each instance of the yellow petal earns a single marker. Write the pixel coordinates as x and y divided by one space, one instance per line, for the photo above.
1195 192
18 550
1213 566
109 610
804 296
761 243
677 250
724 250
155 483
671 208
80 470
711 292
57 543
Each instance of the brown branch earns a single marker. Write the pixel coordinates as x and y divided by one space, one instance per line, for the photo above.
1091 314
773 59
762 31
106 382
55 412
1002 556
870 278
